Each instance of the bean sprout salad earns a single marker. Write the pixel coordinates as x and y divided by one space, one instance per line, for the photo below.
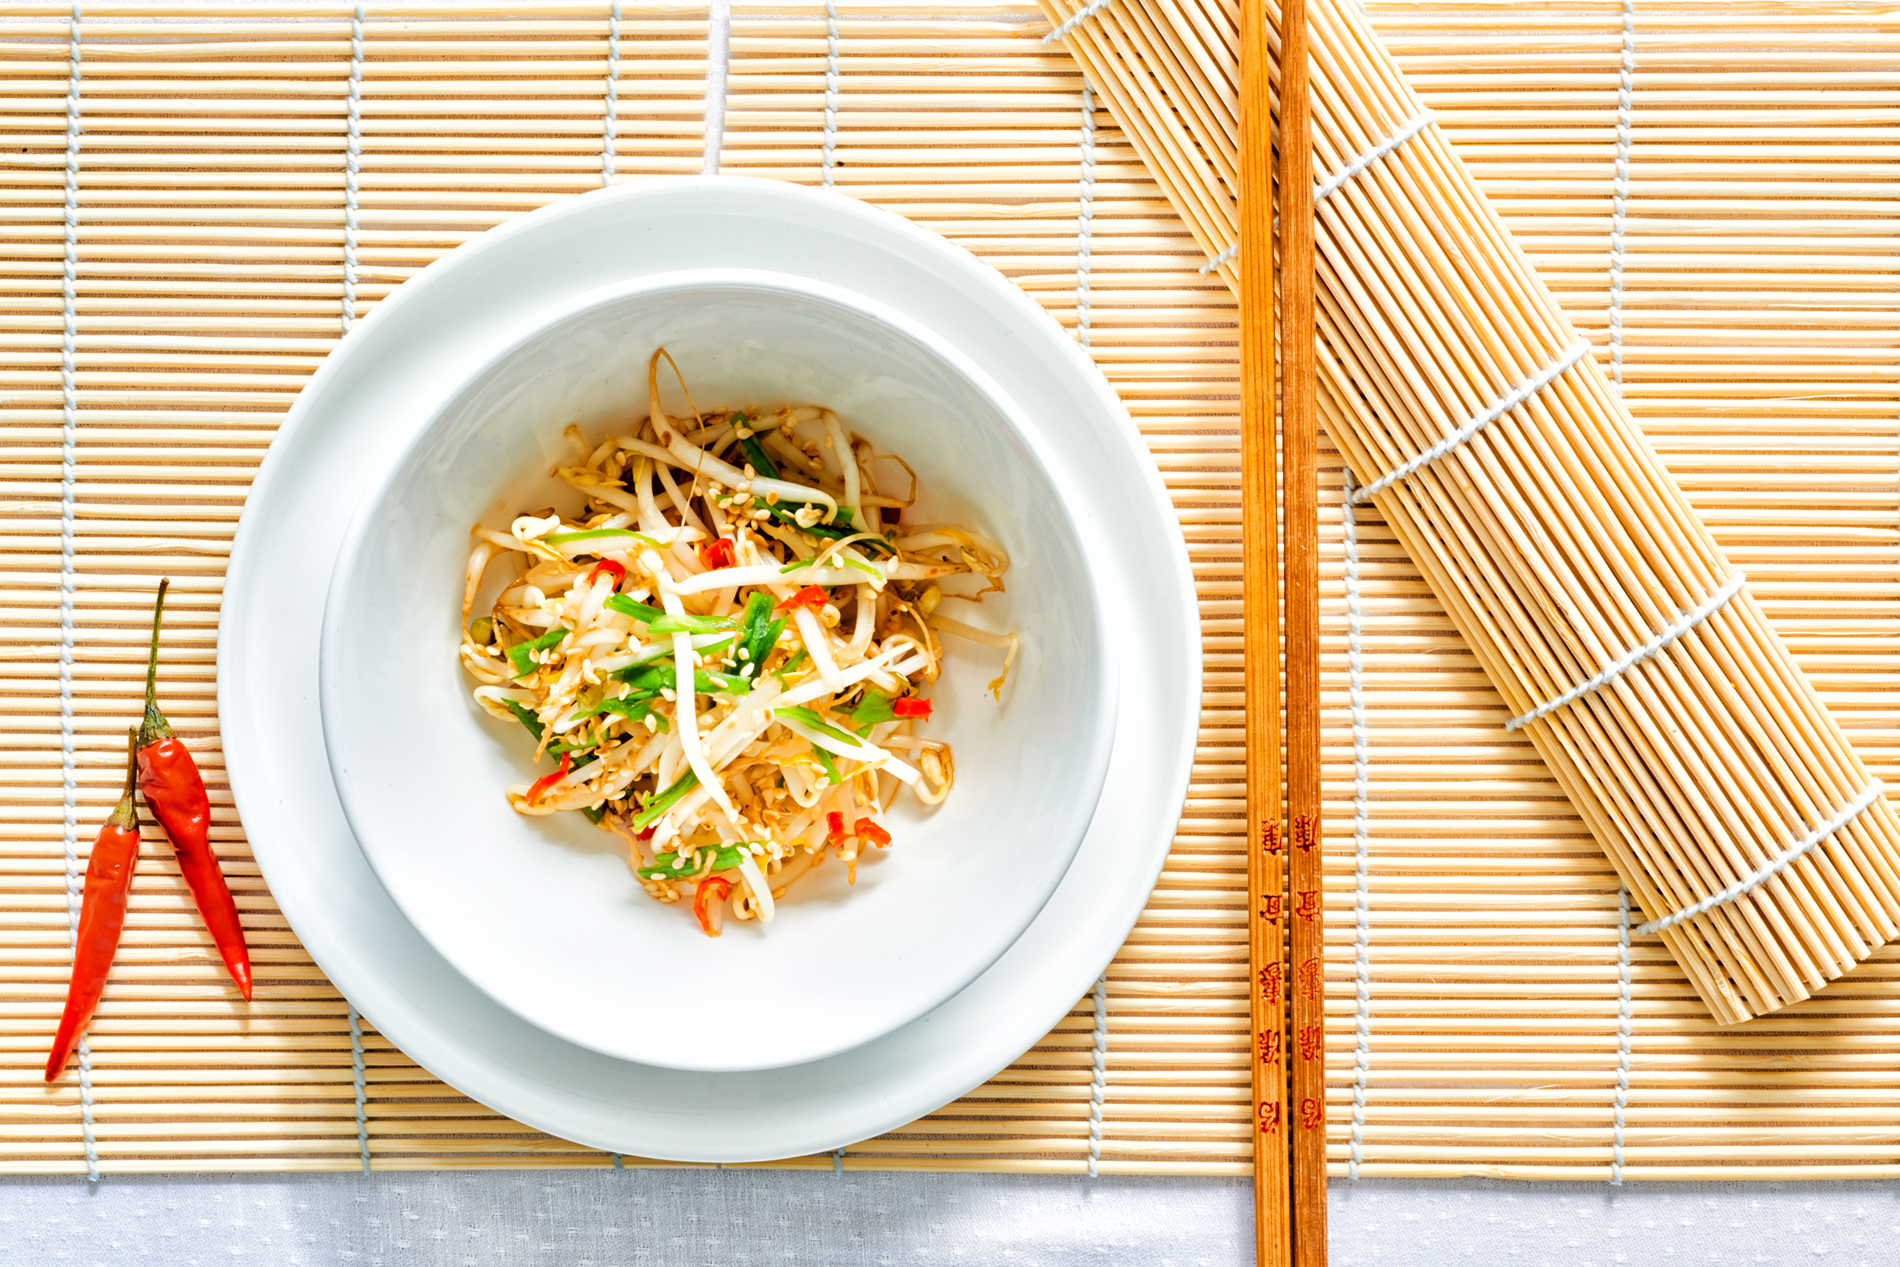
725 652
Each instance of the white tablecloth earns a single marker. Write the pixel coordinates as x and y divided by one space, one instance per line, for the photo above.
684 1218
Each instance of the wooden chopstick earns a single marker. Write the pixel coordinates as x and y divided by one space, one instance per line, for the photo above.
1260 615
1299 439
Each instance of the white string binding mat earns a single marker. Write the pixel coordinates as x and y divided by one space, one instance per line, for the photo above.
1620 1100
1636 655
1618 192
1620 187
610 109
1084 229
827 156
1407 130
1332 184
360 1076
718 68
1505 404
1084 14
1098 1081
68 577
1085 218
352 164
1772 868
1361 844
1228 252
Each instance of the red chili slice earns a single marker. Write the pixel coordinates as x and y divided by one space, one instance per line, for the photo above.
546 781
811 596
868 830
834 825
718 554
611 568
911 706
717 889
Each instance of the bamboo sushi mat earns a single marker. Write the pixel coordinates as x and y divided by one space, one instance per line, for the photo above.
1712 188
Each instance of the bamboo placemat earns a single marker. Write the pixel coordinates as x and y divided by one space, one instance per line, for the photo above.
1485 1014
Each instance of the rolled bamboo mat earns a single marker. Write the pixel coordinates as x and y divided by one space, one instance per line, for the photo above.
1497 1030
1727 797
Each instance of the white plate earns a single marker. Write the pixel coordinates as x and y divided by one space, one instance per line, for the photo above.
364 404
542 912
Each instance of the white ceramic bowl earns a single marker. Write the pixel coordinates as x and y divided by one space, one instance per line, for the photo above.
542 913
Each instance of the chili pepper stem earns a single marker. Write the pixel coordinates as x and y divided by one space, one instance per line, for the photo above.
155 726
125 813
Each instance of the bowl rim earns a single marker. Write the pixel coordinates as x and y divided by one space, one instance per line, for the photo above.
1099 736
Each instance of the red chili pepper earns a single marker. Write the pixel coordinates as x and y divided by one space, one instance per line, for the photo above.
611 568
718 889
546 781
115 855
834 825
811 596
911 706
868 830
718 554
646 833
176 794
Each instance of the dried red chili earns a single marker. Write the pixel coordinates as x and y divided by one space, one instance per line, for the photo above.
115 855
176 794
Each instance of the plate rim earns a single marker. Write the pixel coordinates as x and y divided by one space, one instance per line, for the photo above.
487 1076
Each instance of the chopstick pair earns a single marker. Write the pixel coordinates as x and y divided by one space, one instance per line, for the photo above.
1284 886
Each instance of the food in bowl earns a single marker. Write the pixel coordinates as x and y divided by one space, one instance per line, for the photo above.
754 560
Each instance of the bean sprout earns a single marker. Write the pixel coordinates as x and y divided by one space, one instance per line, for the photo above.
730 706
